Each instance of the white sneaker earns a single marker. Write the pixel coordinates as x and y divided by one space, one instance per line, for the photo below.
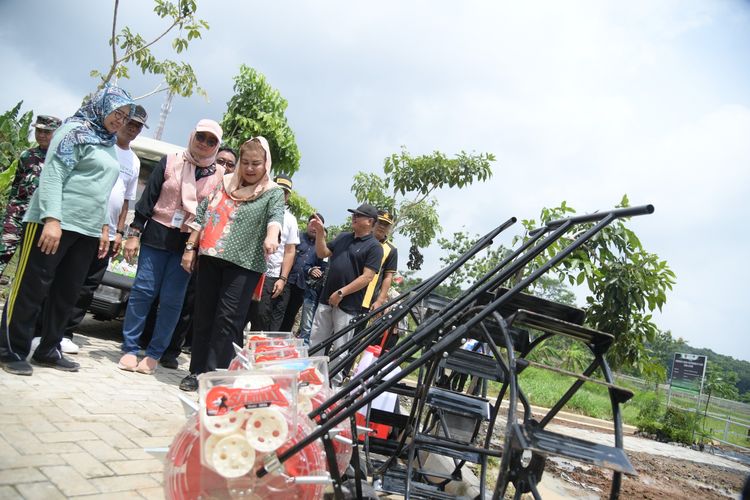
34 344
68 347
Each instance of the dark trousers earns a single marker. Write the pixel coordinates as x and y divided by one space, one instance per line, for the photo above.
223 293
267 314
293 305
93 279
54 280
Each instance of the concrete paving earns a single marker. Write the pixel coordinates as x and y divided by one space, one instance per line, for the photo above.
82 435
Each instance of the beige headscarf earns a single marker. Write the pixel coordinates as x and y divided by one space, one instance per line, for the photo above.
233 182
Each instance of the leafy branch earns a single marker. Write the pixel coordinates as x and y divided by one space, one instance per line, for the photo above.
178 76
407 185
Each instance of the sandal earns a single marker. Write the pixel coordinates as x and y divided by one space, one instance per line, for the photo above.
147 366
128 362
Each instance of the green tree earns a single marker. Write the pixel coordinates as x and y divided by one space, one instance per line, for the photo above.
484 261
14 139
258 109
625 282
406 186
548 286
129 47
300 208
719 384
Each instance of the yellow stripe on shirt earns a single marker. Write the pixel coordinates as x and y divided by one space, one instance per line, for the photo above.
374 283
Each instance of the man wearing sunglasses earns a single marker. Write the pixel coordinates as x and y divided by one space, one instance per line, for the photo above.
227 158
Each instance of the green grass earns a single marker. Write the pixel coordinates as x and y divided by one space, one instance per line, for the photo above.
544 388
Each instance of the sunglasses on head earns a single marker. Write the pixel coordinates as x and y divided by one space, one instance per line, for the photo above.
207 139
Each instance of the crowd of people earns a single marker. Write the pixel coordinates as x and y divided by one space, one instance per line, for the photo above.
218 250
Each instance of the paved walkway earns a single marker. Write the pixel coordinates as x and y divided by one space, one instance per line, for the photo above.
82 435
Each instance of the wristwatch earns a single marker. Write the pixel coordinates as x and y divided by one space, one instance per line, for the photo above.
132 231
189 246
120 232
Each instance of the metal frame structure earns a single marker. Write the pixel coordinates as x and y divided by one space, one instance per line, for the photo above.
452 382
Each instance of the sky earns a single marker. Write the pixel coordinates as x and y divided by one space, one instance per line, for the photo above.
582 101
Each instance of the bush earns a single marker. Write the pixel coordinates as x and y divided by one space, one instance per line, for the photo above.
678 425
649 413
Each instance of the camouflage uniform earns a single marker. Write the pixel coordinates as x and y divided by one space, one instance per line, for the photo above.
24 184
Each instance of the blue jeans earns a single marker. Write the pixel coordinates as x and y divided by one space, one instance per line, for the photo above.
159 274
309 304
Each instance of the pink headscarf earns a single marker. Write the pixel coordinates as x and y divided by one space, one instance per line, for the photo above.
186 174
233 182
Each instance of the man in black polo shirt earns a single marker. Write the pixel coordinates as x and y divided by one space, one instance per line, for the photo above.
354 259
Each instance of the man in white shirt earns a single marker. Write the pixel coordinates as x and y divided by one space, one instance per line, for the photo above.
268 314
123 192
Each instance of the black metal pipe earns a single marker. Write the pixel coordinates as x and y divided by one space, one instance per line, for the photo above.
360 384
596 216
527 252
614 492
422 289
416 338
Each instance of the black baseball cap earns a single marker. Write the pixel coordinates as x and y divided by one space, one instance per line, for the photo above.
366 210
317 214
140 115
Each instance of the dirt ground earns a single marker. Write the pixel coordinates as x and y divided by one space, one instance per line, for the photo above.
658 478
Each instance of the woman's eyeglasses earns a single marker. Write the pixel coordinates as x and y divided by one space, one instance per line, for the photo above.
225 163
207 139
120 116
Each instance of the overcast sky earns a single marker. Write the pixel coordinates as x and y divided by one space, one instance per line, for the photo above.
579 101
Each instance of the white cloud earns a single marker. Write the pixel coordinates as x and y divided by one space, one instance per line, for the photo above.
44 93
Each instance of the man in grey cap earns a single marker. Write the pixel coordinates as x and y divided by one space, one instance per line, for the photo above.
25 182
123 192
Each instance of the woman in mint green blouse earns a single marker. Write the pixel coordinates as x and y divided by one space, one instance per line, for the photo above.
235 229
65 226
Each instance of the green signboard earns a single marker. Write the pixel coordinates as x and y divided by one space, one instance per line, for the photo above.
688 371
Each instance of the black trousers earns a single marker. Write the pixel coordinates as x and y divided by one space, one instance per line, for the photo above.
53 280
223 294
94 278
293 305
267 314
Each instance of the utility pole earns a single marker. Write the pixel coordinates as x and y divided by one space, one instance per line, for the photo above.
165 109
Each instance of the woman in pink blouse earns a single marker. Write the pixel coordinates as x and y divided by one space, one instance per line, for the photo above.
161 227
